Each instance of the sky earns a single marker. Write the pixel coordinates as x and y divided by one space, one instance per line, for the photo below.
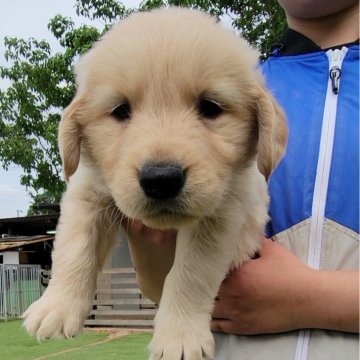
24 19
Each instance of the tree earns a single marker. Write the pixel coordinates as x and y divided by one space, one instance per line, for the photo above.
42 83
44 203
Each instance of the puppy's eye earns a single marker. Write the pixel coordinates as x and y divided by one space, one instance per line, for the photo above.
209 109
122 112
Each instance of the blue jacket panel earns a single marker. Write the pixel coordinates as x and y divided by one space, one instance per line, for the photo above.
291 200
344 175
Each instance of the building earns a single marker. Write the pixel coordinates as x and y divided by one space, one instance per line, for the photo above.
27 240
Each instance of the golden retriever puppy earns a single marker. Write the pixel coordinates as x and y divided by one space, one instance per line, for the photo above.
171 125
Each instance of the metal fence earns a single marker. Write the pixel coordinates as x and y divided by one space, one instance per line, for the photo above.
20 285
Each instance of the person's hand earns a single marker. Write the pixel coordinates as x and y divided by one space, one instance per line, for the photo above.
152 253
274 293
277 292
264 295
138 232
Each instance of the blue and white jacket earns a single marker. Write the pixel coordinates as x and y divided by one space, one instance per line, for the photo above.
314 191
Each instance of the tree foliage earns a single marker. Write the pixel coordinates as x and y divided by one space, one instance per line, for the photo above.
42 83
43 203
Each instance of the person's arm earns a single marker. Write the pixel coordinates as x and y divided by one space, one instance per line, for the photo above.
277 293
273 293
152 253
337 307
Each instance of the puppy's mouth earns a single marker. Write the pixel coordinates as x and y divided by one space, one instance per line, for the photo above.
166 214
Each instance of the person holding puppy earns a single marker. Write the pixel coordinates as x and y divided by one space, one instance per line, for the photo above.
308 277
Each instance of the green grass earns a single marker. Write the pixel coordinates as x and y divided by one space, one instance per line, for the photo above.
15 344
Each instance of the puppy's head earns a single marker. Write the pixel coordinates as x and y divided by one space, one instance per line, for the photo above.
170 109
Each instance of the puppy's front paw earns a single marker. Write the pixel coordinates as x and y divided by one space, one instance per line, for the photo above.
182 340
55 316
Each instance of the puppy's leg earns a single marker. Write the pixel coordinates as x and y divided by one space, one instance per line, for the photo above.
182 324
83 238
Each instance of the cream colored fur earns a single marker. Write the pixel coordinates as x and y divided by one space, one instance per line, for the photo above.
163 62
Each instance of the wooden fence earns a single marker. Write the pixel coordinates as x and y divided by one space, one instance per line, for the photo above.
119 301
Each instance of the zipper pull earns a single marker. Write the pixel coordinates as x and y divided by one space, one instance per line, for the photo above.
335 73
335 69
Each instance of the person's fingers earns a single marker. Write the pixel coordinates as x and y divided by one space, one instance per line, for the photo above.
131 225
266 245
219 310
222 325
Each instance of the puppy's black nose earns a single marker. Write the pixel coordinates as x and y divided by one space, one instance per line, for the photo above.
162 181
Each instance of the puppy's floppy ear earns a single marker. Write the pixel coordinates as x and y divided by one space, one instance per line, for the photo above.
272 132
69 138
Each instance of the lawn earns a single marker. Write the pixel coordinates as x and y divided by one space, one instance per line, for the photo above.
15 344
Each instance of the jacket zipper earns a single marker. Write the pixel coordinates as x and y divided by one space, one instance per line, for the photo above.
336 58
335 68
